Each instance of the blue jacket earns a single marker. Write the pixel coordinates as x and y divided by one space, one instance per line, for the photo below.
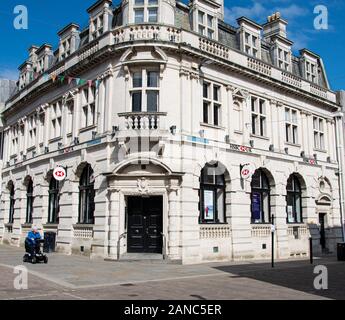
32 237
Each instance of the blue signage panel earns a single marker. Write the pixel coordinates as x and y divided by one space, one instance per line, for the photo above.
256 206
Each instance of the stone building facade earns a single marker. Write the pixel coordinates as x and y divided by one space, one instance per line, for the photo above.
181 136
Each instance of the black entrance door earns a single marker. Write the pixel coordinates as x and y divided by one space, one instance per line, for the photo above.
145 224
322 230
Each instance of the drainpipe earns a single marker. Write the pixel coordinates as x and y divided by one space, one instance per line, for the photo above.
341 158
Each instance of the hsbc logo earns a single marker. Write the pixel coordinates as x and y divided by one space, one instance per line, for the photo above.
59 174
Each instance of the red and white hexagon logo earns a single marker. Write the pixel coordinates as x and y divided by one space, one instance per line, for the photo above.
59 174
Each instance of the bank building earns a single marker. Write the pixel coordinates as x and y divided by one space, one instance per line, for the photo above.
182 137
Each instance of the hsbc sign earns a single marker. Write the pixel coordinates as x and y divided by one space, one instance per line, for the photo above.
247 171
59 174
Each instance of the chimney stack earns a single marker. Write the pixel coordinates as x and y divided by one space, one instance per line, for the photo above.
275 26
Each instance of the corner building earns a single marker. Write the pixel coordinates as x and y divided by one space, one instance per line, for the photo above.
153 110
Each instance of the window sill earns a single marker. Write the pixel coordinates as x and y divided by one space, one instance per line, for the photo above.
50 226
83 225
87 128
259 137
213 224
55 139
320 150
203 124
238 131
27 225
293 144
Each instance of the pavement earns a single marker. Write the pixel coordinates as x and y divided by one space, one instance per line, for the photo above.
79 278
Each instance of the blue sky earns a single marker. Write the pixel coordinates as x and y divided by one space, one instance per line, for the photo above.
47 17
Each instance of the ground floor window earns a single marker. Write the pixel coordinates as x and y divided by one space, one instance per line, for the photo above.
86 196
12 202
29 201
212 195
260 198
294 200
53 209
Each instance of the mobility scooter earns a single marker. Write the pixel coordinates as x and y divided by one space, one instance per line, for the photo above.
34 253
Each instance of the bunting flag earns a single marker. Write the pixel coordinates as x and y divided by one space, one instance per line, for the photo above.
63 78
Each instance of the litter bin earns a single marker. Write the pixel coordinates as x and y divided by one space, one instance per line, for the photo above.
341 251
49 242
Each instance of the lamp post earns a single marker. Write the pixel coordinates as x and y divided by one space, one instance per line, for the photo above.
273 229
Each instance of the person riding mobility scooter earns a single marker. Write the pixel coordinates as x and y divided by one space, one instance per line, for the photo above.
33 243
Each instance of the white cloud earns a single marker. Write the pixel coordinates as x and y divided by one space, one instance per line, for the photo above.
8 73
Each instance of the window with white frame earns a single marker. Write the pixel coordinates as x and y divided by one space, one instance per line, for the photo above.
97 26
311 71
145 90
65 49
251 44
15 139
88 107
70 112
291 126
206 24
283 59
56 115
319 134
32 122
237 116
41 130
211 103
258 116
145 11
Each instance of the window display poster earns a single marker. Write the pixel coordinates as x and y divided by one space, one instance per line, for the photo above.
256 206
290 214
208 205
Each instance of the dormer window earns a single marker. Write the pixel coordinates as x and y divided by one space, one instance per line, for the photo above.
284 59
65 49
205 24
251 45
97 26
311 71
145 11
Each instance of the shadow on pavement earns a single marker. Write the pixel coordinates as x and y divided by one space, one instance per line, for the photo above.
294 275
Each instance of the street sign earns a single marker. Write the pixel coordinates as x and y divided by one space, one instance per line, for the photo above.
59 174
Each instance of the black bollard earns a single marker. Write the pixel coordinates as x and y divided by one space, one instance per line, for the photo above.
311 250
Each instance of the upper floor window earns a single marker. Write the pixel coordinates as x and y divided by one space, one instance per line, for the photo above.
258 116
291 127
206 24
145 91
15 139
32 130
211 103
56 116
88 100
70 113
145 11
283 59
65 48
97 25
251 44
319 134
311 71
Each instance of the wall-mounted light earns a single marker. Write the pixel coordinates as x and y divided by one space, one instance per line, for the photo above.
94 134
115 129
286 150
271 148
251 142
60 145
315 156
302 154
173 130
329 159
76 140
227 138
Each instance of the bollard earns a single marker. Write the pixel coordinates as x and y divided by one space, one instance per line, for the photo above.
311 250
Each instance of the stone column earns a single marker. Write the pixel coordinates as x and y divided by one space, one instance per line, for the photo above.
113 223
228 108
185 107
173 238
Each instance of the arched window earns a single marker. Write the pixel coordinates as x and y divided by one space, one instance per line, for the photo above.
12 202
86 196
54 197
29 201
260 198
212 195
294 200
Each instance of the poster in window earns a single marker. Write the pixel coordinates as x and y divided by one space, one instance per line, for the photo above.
290 214
208 205
256 206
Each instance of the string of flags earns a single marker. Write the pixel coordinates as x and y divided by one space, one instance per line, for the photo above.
62 78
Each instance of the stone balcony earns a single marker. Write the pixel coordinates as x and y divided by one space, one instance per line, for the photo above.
143 124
